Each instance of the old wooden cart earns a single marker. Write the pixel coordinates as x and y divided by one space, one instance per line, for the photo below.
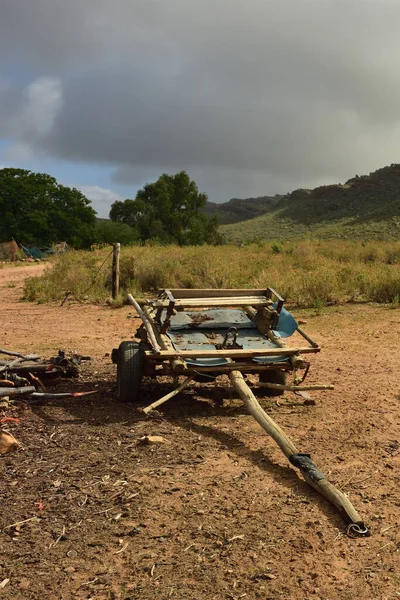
192 333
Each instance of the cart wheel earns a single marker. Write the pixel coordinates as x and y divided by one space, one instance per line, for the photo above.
273 377
129 371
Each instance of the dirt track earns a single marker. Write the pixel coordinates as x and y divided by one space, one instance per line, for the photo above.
216 512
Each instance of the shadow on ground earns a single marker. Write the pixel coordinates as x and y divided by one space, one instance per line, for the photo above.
211 404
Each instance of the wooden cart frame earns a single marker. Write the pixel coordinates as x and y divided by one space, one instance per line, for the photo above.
155 354
262 306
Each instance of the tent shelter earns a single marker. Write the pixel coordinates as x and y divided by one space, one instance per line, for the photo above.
10 252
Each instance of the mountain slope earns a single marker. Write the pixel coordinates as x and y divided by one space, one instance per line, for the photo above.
237 210
364 207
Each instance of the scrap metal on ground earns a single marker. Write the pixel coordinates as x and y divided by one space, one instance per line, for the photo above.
24 374
202 332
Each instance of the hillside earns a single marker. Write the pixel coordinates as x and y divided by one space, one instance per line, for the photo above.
366 207
237 210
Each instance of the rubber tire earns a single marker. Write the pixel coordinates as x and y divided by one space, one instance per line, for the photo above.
129 372
273 377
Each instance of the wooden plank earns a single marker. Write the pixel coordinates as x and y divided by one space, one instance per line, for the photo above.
224 299
179 294
214 302
250 367
236 353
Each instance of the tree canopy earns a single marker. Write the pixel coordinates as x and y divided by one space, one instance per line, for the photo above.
36 209
169 211
108 232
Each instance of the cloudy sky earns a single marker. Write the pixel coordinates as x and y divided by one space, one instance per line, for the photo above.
251 97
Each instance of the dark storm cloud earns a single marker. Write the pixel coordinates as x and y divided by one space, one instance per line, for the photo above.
251 97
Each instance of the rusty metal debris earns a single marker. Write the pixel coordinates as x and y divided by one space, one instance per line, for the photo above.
27 375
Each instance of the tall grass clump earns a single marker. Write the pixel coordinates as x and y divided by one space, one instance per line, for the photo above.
306 272
384 286
76 272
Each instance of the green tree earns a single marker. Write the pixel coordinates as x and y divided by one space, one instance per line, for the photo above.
108 232
36 209
169 211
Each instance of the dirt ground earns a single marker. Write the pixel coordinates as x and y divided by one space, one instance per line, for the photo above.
215 512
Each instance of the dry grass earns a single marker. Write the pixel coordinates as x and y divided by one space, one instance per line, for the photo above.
306 273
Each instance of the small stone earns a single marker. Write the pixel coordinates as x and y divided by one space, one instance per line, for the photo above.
69 570
152 439
8 443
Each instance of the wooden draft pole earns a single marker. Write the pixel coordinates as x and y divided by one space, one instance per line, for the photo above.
115 270
131 300
313 476
167 397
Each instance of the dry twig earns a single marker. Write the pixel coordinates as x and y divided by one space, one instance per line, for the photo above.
124 547
21 522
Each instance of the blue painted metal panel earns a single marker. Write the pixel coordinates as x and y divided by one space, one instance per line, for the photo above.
190 340
196 340
206 329
248 339
287 325
210 319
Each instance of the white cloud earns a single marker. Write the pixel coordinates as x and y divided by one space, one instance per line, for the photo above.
251 97
42 101
102 198
29 115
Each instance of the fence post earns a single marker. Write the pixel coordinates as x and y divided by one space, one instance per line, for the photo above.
115 270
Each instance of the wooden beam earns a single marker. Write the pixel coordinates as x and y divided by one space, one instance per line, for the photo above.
131 300
263 327
309 471
249 367
236 353
167 397
165 343
213 293
217 302
307 337
294 388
